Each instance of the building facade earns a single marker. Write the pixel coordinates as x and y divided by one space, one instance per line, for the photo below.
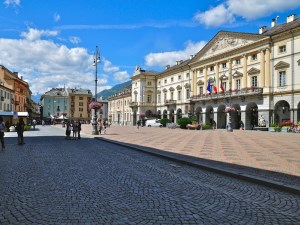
119 111
256 74
79 100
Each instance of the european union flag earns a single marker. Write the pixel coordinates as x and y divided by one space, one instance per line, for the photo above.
208 88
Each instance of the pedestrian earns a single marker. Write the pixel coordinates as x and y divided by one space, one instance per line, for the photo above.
138 124
79 128
33 123
20 130
68 130
43 123
2 128
104 127
75 130
100 126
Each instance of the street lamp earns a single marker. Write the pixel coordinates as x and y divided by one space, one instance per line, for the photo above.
96 61
229 109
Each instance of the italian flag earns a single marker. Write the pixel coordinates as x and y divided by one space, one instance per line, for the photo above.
215 86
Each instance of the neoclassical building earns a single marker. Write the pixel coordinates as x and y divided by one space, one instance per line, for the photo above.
256 74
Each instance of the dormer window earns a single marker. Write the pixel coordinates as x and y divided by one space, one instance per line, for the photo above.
237 61
211 68
223 65
282 48
254 57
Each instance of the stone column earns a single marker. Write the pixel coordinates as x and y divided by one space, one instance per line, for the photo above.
205 79
217 76
267 68
194 81
262 69
244 80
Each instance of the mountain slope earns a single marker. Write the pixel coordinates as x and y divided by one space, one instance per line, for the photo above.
108 92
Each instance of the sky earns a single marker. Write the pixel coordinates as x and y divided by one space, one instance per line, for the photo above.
53 43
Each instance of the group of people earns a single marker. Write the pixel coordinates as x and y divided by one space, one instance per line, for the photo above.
75 127
102 126
20 127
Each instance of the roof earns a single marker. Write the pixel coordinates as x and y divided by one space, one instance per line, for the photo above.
279 28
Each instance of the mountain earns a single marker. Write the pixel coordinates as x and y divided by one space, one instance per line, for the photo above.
108 92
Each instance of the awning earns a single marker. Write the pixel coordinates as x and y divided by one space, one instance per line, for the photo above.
21 114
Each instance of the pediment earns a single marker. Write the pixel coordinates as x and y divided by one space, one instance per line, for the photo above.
200 82
165 90
178 87
149 91
237 74
187 85
282 64
135 92
223 77
253 71
171 89
225 42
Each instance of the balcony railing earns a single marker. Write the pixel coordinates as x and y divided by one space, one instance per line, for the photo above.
170 102
234 93
133 104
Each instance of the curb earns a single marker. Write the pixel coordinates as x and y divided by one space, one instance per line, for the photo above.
228 172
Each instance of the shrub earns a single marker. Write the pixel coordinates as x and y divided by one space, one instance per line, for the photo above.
164 121
182 122
27 127
206 126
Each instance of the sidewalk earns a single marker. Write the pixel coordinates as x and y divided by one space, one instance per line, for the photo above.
265 157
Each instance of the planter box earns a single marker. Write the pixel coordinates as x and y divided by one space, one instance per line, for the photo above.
272 129
284 129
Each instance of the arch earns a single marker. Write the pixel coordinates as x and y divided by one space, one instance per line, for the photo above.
236 122
171 115
251 116
198 113
149 114
282 111
165 114
158 114
209 115
178 114
221 117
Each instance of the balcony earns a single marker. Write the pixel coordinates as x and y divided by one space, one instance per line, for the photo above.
133 104
244 92
170 102
17 102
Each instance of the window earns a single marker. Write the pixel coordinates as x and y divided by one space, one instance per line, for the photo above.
201 90
212 68
187 75
201 71
172 79
179 77
187 93
254 57
281 78
149 83
237 61
135 97
165 96
172 95
148 98
282 48
238 84
254 81
179 95
158 82
224 86
80 109
80 103
158 98
165 81
80 98
223 65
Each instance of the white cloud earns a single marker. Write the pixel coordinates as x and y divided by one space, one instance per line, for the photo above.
249 10
215 16
121 76
34 34
12 2
56 17
74 40
170 58
108 67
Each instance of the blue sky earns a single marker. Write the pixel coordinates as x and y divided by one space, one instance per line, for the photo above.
51 43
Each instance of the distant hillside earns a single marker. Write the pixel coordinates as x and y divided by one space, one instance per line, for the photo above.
108 92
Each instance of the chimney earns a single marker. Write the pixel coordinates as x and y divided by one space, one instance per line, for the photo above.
290 18
191 56
177 62
274 21
21 77
167 67
262 29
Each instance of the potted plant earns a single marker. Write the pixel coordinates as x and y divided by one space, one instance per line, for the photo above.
273 127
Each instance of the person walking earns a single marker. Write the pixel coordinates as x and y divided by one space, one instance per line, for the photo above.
20 130
100 126
2 128
138 124
33 123
75 130
79 128
68 130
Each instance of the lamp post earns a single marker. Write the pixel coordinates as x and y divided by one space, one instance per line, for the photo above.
96 61
230 110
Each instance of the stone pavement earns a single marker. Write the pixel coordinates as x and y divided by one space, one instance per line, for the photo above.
268 158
